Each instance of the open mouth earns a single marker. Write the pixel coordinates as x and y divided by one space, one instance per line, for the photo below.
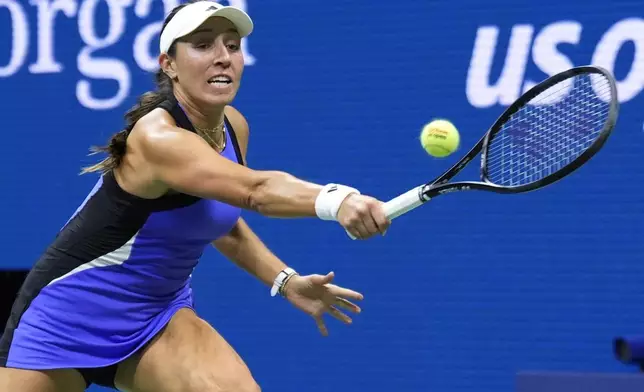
220 81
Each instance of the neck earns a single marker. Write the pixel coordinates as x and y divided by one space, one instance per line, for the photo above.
208 119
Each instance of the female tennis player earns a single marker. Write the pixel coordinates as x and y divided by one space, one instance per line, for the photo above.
110 302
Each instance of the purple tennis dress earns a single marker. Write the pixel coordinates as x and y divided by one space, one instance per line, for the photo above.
114 276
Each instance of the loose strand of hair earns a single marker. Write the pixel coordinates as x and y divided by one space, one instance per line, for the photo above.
116 146
146 103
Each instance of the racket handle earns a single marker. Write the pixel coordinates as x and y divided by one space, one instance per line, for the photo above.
404 203
401 204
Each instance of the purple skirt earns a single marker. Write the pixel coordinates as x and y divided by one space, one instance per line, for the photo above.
77 322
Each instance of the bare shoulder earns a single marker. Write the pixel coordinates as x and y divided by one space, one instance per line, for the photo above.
156 126
156 134
174 159
240 126
148 141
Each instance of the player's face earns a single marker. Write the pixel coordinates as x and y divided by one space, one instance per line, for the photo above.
209 62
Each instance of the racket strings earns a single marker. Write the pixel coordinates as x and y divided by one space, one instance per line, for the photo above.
548 133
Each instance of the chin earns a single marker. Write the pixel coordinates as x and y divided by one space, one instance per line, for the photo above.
218 99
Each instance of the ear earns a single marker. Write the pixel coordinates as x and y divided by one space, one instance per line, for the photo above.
167 65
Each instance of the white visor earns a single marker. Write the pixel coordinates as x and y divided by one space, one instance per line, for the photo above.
194 15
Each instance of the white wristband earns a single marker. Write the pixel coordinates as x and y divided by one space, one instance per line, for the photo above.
281 279
329 200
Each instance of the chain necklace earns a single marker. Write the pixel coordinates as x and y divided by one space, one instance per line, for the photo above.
206 134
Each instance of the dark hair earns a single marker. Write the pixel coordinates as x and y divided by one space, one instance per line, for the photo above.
145 104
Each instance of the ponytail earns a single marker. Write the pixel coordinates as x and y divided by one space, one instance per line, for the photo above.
116 146
115 149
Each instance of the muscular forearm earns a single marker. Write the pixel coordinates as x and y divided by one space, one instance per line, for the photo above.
283 195
244 248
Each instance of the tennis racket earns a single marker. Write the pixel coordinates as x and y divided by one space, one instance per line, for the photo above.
546 134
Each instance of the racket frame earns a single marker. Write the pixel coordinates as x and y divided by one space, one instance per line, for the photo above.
576 163
423 193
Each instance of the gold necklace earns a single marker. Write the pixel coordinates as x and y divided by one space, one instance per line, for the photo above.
207 133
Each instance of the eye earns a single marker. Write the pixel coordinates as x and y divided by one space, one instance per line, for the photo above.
202 45
233 47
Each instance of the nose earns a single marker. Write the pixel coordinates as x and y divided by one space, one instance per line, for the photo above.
221 56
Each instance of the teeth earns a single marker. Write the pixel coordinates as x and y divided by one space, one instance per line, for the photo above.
220 79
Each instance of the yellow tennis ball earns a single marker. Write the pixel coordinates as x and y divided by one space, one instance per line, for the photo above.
439 138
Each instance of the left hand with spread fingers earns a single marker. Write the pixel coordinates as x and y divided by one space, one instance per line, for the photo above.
315 295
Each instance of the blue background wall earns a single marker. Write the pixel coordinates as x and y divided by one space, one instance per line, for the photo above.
460 294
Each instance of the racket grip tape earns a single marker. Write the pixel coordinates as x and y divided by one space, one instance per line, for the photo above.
404 203
401 204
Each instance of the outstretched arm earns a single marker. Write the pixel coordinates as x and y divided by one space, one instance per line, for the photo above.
315 295
184 162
